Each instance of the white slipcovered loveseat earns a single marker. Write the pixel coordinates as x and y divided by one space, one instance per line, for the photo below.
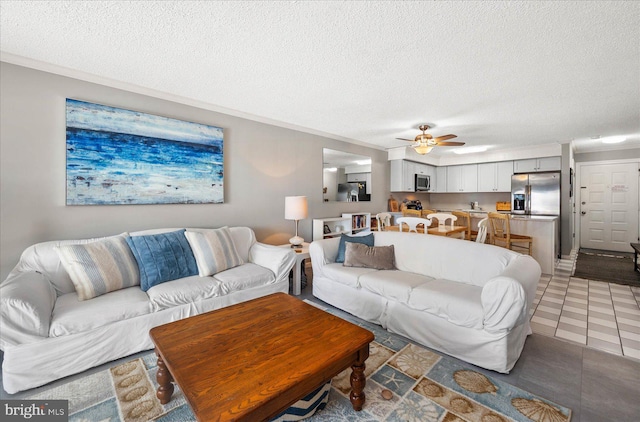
49 331
466 299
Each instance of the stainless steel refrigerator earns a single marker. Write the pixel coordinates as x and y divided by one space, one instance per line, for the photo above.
536 193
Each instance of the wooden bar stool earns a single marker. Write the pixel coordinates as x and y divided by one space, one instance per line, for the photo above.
500 234
425 212
464 219
384 220
411 213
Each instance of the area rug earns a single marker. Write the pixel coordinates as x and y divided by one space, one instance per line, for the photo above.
613 267
424 386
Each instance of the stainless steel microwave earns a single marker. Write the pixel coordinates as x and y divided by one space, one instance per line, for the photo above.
423 183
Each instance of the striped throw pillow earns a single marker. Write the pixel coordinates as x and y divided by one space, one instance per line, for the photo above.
214 250
100 267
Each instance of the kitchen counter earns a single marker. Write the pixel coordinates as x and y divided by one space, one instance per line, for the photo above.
482 214
544 229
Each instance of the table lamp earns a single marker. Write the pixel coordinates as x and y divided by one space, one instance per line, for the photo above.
295 208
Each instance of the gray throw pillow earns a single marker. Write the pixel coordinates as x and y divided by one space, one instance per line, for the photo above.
378 257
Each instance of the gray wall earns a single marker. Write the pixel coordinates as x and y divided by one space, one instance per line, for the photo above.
263 164
621 154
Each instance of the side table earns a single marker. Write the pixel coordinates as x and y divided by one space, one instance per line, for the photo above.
301 255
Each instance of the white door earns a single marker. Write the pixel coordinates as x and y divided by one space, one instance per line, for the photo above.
609 206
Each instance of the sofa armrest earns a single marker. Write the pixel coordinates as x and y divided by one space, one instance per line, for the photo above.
279 260
323 252
26 305
527 271
504 304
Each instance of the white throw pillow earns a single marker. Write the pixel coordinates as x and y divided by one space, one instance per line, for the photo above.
214 250
100 267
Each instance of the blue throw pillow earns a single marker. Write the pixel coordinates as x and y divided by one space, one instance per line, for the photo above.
365 240
162 257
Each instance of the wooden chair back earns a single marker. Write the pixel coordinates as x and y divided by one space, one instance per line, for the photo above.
500 233
413 223
411 213
384 220
464 219
443 218
425 212
499 228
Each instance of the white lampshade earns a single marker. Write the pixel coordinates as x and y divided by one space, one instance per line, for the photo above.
295 207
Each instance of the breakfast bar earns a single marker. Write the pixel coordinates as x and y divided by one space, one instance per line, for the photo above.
544 231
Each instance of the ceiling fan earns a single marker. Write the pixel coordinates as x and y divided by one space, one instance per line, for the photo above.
424 142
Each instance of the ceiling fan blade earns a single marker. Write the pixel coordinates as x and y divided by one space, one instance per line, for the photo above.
444 138
450 144
403 139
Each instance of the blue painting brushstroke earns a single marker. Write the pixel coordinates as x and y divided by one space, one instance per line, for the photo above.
117 156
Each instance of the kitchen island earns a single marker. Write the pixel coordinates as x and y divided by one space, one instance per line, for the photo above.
543 229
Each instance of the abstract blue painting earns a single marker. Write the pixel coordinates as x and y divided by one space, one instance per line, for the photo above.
117 156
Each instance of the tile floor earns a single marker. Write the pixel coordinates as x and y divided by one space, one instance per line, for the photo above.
597 314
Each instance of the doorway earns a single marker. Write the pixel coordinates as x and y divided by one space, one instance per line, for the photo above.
608 205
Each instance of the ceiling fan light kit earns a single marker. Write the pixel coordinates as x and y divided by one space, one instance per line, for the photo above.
424 142
422 149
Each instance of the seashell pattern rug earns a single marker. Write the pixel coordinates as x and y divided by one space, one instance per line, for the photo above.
424 387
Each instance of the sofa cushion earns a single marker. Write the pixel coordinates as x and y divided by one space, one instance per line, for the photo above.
244 277
378 257
100 267
162 257
183 291
346 275
393 284
214 250
440 257
71 315
458 303
365 240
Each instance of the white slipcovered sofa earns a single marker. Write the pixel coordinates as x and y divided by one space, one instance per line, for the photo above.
466 299
48 332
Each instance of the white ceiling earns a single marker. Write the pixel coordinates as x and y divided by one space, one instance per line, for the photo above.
501 74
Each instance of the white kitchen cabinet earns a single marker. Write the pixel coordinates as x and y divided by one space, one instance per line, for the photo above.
537 164
495 177
396 174
441 180
357 177
462 178
433 176
361 177
549 164
403 176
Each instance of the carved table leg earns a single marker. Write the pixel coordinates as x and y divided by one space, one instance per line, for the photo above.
358 381
165 389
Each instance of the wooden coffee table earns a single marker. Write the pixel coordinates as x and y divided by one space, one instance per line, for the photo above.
253 360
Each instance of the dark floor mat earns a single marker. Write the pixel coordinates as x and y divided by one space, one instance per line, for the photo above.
614 267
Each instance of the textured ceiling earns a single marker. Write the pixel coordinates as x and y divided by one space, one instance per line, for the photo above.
501 74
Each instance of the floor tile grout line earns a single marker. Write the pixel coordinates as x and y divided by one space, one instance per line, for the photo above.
590 288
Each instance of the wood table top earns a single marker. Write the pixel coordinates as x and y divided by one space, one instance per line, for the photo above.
434 230
252 360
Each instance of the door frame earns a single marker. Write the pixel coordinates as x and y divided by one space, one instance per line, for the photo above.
578 192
